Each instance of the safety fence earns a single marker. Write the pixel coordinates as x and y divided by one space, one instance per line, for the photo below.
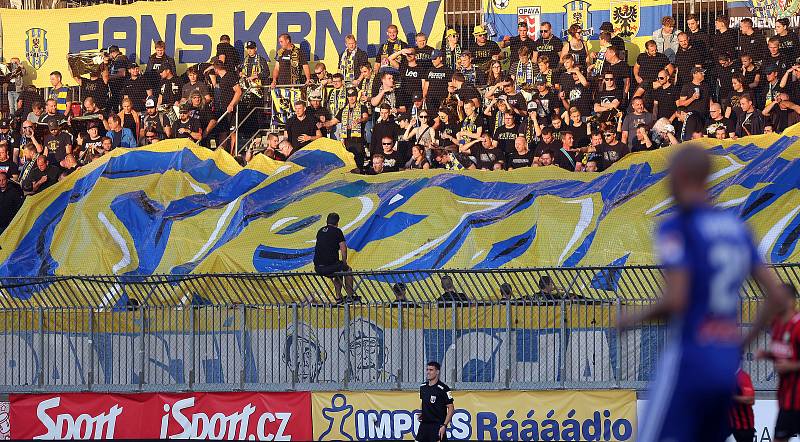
499 329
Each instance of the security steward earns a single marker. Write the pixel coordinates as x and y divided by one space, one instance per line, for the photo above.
437 406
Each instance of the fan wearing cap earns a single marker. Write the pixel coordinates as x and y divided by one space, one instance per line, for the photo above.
155 126
254 66
318 113
135 87
389 47
451 49
57 143
7 135
694 95
118 65
434 85
772 87
351 118
157 60
91 142
186 127
169 92
616 40
483 50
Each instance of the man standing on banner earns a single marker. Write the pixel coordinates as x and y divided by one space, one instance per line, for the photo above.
437 407
784 351
740 415
707 254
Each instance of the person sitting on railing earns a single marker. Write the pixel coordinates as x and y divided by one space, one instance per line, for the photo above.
330 258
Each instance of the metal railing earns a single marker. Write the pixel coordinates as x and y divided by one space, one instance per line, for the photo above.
511 329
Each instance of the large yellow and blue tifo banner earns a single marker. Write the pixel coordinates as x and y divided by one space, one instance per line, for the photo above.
479 415
175 208
191 29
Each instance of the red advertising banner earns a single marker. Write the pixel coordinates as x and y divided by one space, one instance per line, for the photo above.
243 416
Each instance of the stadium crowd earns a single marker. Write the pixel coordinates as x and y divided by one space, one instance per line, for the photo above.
517 103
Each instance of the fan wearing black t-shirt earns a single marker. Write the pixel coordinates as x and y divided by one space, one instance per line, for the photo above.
300 128
330 257
649 64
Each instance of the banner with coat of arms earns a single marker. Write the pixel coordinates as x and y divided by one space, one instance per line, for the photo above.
36 47
625 17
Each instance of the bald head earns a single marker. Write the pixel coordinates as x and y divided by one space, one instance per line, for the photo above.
714 107
689 169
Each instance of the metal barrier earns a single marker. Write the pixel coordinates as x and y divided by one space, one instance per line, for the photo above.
233 332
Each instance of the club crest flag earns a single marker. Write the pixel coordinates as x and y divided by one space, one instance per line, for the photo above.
625 17
36 51
577 11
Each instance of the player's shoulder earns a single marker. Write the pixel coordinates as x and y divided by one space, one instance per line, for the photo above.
442 386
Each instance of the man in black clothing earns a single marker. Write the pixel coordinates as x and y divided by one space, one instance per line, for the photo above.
96 86
697 38
7 165
330 257
135 88
612 150
437 407
694 95
724 39
227 53
725 69
752 42
154 64
649 63
686 58
519 41
483 50
11 199
118 65
57 144
616 41
43 175
547 44
300 128
384 127
434 84
169 92
227 96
